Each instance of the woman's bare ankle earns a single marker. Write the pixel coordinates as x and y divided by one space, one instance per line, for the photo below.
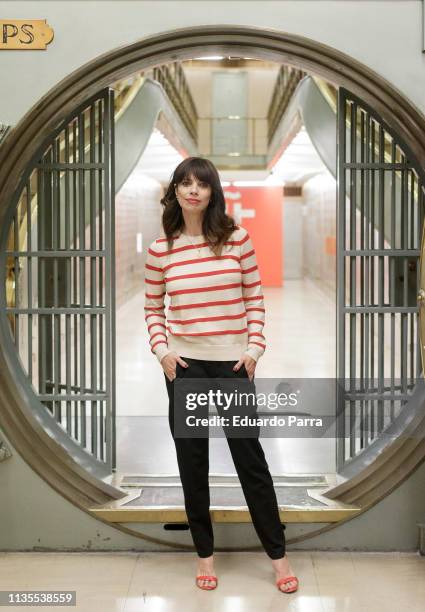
206 562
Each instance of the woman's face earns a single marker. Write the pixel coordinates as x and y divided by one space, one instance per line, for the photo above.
193 195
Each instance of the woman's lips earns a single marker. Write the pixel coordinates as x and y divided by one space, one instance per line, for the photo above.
192 201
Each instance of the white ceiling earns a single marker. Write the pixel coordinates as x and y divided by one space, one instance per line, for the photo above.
299 162
159 158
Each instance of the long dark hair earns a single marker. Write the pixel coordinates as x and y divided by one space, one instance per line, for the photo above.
217 225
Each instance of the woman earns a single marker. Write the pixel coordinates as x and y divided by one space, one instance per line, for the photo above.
207 265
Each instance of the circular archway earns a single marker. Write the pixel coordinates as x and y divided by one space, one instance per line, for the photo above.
29 438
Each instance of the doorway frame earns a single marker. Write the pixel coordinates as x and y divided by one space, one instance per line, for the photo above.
47 458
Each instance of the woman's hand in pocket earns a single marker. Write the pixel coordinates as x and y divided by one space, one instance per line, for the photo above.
249 363
169 364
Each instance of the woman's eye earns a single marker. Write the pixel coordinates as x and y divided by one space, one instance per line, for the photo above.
202 185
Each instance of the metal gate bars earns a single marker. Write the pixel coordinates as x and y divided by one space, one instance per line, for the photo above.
380 222
58 255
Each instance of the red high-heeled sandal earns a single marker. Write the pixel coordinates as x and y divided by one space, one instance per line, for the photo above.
207 587
284 581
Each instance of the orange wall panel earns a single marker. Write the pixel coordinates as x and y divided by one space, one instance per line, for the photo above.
259 210
330 245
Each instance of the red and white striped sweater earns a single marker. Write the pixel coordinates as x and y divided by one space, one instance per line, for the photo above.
216 309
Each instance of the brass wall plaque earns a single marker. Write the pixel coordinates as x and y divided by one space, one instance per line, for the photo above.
25 34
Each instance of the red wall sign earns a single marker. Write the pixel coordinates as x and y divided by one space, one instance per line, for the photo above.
259 210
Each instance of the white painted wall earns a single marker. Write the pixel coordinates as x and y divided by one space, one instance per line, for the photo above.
292 238
386 35
319 223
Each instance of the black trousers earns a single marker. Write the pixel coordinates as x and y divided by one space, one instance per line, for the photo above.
250 463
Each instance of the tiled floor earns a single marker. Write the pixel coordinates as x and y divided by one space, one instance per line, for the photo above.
164 582
138 441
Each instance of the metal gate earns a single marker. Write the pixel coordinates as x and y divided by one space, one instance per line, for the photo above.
59 255
380 217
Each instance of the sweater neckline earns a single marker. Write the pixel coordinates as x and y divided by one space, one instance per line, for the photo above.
190 236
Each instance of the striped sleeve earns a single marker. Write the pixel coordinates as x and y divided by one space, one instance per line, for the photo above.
154 304
253 298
